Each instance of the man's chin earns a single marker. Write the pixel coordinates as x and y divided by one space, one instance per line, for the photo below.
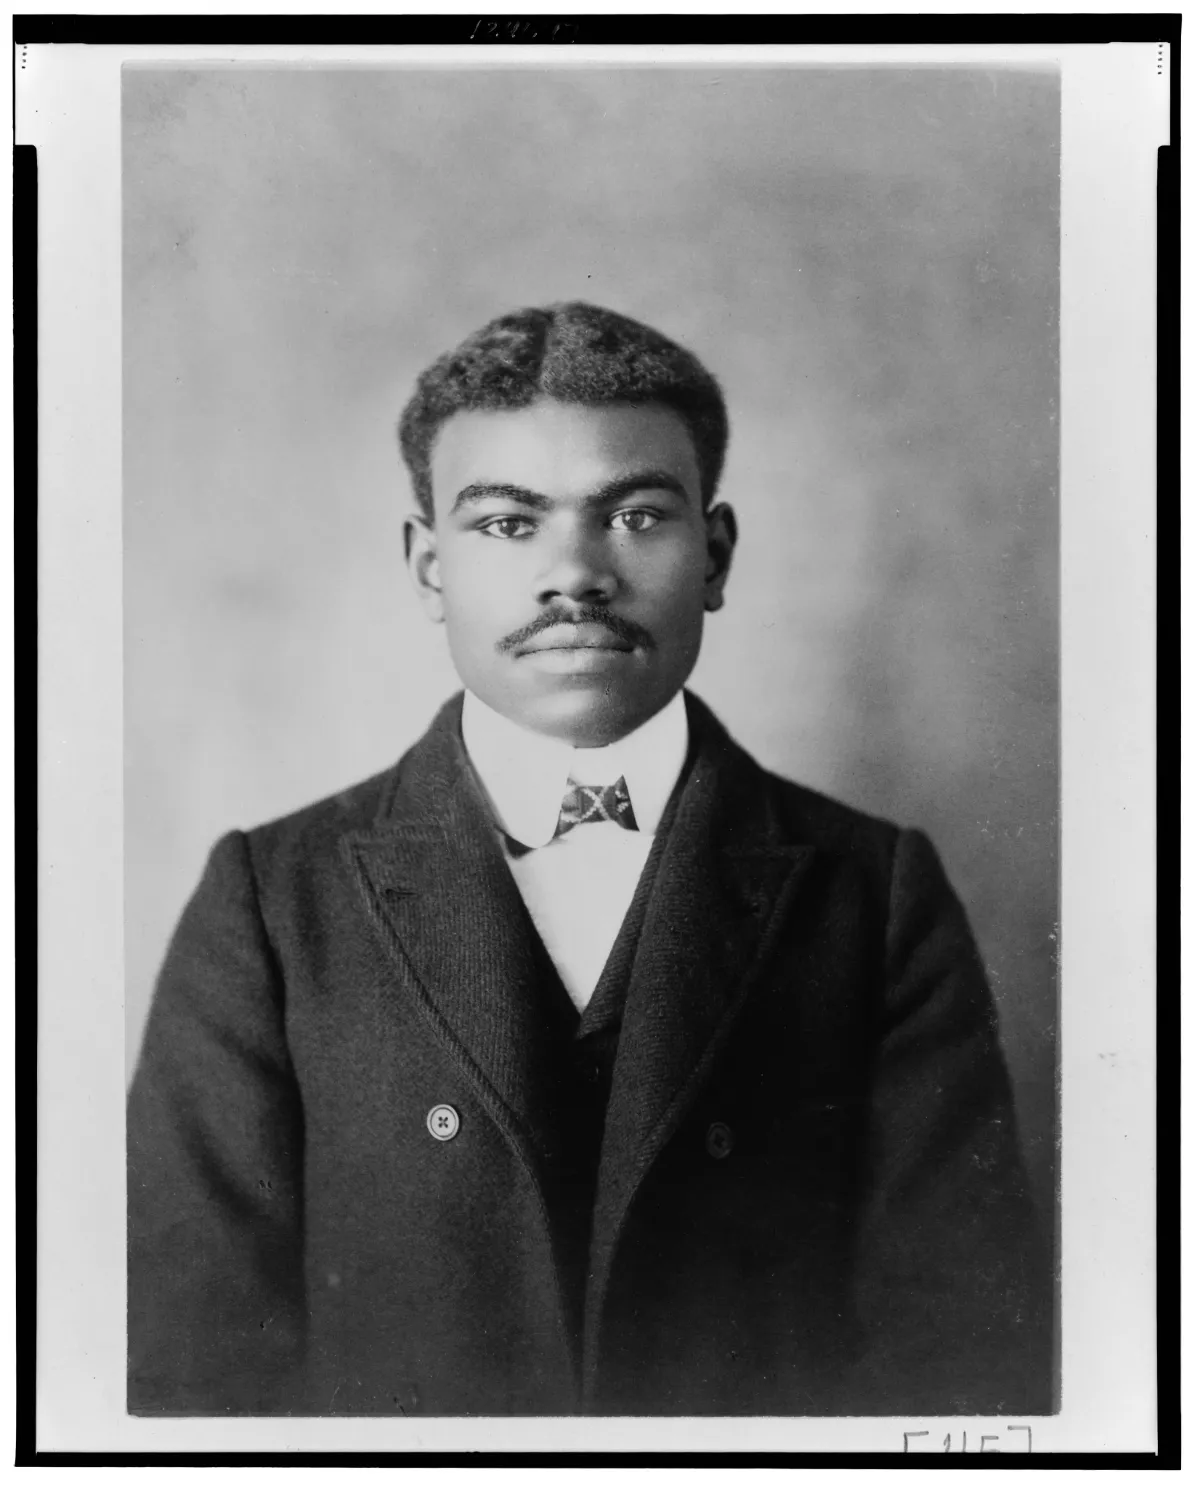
581 711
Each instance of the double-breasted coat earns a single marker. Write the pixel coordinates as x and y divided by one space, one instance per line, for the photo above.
810 1196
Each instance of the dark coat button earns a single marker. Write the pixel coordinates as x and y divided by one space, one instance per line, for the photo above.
442 1122
719 1141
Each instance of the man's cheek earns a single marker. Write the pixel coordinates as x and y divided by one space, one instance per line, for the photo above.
484 577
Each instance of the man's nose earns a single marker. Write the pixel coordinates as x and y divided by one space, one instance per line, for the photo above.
578 568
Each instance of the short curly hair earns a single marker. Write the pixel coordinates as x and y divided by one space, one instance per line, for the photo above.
574 353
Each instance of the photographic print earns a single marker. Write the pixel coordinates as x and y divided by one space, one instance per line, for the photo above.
591 739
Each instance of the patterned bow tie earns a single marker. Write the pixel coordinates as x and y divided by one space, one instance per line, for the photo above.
595 803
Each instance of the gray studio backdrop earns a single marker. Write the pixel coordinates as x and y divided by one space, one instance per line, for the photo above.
867 259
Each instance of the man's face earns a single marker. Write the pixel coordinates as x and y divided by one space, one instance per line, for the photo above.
571 562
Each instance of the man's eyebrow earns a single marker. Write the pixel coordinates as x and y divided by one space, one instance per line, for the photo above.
486 490
641 480
613 490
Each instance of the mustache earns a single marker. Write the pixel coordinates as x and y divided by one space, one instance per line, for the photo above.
627 631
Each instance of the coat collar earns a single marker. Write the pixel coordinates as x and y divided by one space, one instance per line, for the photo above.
444 900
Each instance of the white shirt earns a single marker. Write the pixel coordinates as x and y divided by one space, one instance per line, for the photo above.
577 887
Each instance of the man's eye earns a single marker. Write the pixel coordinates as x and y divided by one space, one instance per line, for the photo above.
634 520
507 527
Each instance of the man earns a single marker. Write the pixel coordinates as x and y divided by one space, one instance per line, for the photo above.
576 1063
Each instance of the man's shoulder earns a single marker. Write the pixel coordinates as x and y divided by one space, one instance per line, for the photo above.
842 835
306 841
304 845
352 808
826 821
799 813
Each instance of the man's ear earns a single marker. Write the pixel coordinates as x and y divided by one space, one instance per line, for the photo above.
420 554
722 538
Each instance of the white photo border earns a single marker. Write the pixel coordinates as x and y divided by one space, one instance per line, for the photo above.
1114 118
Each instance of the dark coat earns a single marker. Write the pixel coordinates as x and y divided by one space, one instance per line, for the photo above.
805 978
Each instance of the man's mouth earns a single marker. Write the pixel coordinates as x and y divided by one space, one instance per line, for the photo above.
583 637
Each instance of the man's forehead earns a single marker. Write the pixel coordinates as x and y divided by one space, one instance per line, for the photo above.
560 447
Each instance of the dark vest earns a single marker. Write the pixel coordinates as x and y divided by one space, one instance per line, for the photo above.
582 1052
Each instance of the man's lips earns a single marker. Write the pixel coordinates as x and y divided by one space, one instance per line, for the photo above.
575 638
567 633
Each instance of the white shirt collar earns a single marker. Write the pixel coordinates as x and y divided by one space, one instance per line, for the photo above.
525 774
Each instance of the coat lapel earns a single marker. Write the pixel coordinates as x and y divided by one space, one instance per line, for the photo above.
726 879
444 901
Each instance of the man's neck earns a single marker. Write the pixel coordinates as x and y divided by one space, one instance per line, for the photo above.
525 774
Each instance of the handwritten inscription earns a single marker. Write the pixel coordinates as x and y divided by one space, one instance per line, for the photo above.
1000 1440
495 28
